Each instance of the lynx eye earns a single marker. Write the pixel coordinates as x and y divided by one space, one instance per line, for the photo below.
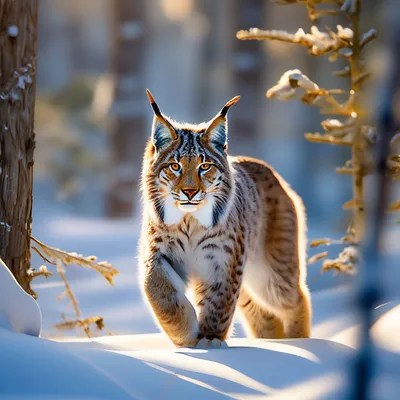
205 167
175 167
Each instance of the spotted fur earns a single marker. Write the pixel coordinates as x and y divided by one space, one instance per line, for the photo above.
229 229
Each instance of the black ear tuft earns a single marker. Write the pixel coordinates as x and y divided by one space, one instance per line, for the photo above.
153 103
216 133
162 133
228 105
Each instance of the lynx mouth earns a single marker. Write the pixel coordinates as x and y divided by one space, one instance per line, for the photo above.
188 206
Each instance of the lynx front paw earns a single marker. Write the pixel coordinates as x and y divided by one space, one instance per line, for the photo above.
215 343
191 344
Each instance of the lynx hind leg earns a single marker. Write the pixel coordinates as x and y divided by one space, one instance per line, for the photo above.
297 320
259 322
165 292
285 255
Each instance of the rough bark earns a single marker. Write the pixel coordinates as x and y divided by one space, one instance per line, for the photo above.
129 123
18 44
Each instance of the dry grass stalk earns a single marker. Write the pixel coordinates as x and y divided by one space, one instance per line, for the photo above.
70 294
338 266
344 263
319 242
329 139
317 257
69 324
62 258
51 255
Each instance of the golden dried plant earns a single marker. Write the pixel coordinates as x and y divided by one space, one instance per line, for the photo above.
61 258
347 124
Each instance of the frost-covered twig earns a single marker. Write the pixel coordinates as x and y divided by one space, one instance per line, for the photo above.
46 252
344 263
318 43
43 271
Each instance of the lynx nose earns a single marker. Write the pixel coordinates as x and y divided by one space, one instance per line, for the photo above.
190 192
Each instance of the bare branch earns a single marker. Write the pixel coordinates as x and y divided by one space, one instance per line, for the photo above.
104 267
81 323
318 43
368 36
43 271
318 138
345 170
317 257
319 242
349 205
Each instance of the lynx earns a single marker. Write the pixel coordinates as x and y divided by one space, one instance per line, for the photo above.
228 229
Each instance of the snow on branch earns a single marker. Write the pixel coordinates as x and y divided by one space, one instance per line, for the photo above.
318 42
345 262
294 84
43 271
288 84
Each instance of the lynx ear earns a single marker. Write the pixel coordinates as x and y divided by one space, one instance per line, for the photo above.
162 132
217 131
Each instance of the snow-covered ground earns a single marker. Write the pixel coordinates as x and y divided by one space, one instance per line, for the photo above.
139 362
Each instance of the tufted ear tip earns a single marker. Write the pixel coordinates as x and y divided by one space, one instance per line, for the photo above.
153 103
228 105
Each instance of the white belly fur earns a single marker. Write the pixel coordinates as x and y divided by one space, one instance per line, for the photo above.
260 280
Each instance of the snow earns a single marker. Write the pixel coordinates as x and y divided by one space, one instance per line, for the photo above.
118 369
383 330
141 363
12 31
7 226
19 312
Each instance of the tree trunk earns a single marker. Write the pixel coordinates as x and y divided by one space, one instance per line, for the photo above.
248 62
129 123
18 44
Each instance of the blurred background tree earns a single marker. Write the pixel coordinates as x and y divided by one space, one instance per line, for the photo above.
128 108
248 63
18 44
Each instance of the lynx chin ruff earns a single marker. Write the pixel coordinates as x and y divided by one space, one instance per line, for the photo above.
229 229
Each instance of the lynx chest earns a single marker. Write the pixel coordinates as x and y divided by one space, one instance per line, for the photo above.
196 253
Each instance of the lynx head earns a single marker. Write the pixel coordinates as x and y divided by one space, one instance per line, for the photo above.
186 168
